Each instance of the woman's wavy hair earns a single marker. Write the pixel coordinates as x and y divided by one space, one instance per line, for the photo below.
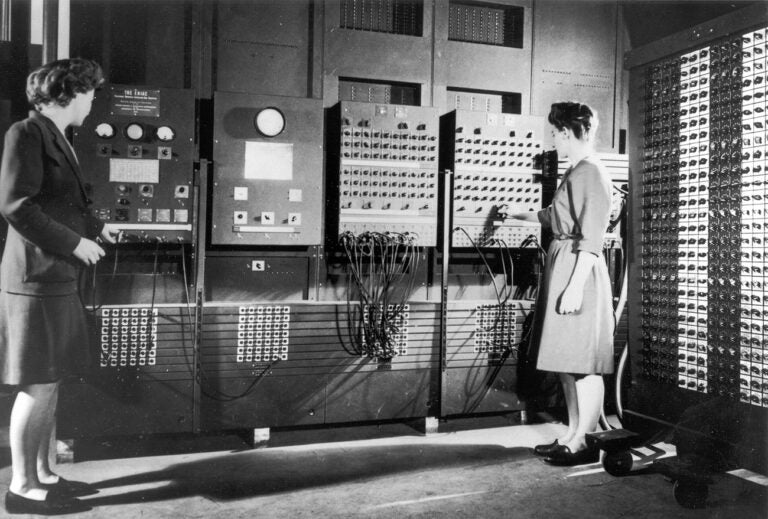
59 81
577 117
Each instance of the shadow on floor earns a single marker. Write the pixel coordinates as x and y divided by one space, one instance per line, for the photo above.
256 473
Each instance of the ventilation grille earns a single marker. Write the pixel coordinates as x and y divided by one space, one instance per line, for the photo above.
390 16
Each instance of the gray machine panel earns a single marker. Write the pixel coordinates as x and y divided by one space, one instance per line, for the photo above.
267 190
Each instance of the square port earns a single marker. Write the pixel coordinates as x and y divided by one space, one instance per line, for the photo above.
145 215
146 190
267 218
103 150
181 215
181 191
163 215
122 215
241 193
164 153
240 217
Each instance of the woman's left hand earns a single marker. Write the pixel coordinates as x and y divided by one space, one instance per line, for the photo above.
109 233
570 300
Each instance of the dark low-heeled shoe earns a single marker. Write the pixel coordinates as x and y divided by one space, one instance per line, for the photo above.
52 505
69 488
562 456
545 449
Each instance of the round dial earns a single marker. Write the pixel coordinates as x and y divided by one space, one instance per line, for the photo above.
165 133
134 131
270 122
105 130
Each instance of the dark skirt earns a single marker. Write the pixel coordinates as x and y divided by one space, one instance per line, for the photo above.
42 339
581 342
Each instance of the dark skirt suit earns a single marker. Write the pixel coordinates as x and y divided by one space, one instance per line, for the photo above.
43 330
580 342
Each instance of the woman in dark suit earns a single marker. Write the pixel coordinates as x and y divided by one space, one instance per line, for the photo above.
51 235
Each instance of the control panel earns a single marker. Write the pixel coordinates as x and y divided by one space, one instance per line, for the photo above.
495 160
387 170
268 170
136 150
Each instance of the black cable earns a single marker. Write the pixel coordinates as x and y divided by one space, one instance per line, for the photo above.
379 318
482 257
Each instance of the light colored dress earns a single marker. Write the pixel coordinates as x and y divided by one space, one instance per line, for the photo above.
580 342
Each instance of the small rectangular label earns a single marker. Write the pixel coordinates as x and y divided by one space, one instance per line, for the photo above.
258 265
133 101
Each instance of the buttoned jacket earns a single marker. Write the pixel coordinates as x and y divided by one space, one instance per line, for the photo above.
43 197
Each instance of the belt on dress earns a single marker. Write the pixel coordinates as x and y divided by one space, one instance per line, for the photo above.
565 236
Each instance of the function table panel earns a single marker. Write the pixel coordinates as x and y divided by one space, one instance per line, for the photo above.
704 304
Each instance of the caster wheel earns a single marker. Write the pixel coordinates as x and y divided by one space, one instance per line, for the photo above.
617 463
690 494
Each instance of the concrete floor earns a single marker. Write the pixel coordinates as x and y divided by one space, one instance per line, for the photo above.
473 468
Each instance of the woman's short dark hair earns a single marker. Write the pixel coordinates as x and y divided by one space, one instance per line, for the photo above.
59 81
577 117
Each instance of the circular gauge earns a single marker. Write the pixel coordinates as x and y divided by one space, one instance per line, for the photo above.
134 131
165 133
270 122
105 130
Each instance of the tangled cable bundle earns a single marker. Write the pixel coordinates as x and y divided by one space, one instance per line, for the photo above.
383 268
503 294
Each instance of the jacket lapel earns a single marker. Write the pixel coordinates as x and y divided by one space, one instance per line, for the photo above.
64 148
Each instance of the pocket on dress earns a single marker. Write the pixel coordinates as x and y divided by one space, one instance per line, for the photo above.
44 267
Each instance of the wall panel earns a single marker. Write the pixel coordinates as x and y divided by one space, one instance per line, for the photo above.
574 58
264 47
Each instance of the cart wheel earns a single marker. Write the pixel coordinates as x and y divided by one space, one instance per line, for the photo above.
690 494
617 463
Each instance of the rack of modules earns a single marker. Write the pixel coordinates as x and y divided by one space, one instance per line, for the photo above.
387 170
497 172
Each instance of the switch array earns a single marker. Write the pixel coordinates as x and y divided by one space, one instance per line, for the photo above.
498 328
494 158
388 170
263 333
128 337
